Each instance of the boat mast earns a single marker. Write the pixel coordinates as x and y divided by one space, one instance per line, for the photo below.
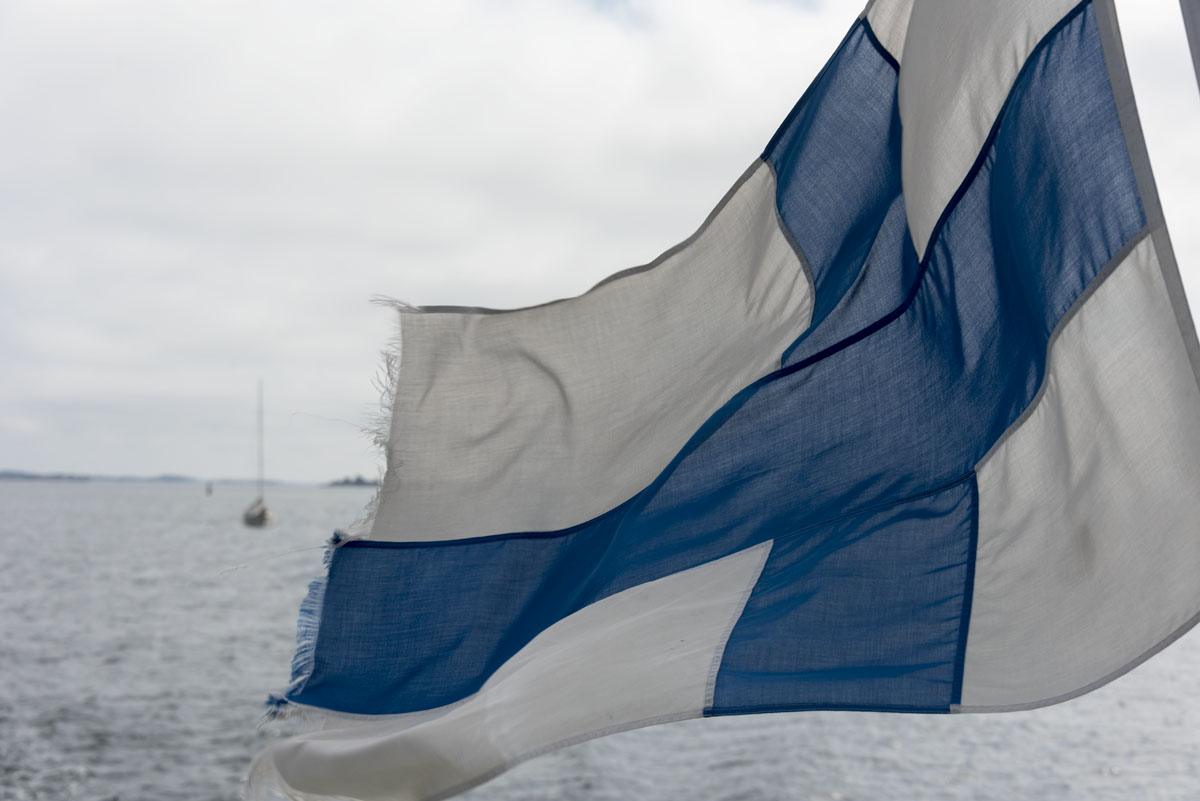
260 438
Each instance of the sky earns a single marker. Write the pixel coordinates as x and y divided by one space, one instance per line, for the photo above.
194 196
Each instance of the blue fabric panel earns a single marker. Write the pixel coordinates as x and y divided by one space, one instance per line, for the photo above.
837 164
856 457
880 286
1057 197
872 606
1052 200
440 617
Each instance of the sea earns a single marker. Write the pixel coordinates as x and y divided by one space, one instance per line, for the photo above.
141 628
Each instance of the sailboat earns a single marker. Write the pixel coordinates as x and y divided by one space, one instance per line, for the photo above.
257 514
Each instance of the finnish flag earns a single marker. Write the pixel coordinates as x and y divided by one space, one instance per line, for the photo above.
911 423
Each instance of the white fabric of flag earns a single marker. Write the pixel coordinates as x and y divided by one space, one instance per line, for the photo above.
911 423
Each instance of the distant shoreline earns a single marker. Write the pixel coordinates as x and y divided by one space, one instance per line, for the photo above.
171 478
357 481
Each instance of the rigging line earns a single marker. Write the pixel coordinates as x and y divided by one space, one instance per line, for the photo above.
1191 24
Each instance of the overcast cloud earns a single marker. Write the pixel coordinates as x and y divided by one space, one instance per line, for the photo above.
193 195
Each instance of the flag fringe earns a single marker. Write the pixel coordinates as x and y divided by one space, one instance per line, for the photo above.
279 708
379 426
308 624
